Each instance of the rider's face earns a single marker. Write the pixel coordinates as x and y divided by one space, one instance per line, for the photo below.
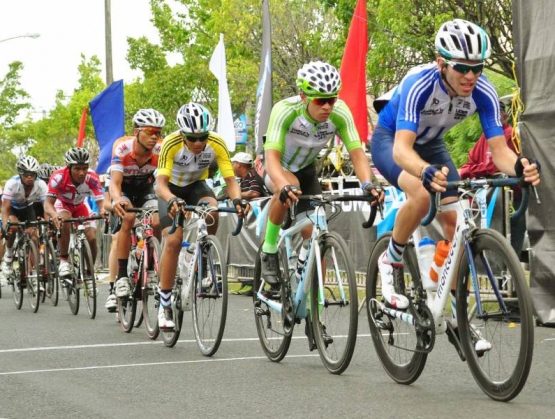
28 178
319 109
460 75
78 173
148 136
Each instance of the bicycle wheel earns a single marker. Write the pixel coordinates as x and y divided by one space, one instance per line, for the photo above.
171 338
151 299
32 275
274 338
51 271
210 296
127 306
73 294
17 280
334 309
395 341
501 371
88 278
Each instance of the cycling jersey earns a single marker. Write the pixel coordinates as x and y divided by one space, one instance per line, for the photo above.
64 190
124 160
299 138
14 191
183 167
421 103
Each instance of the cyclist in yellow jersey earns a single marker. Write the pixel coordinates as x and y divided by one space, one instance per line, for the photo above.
183 166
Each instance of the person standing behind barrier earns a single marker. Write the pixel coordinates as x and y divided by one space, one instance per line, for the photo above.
481 164
252 185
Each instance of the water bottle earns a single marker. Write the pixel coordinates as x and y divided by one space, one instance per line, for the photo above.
184 259
426 251
442 250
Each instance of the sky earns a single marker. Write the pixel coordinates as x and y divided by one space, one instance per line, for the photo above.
67 28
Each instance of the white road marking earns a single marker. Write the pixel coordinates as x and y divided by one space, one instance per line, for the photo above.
146 364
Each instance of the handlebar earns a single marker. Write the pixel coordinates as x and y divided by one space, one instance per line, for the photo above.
474 184
200 209
116 225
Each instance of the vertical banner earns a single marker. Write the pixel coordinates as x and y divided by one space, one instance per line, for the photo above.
225 116
82 127
264 89
241 129
353 70
108 118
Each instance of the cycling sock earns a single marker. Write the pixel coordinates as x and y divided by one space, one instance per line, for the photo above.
111 287
9 252
165 298
271 238
395 251
122 268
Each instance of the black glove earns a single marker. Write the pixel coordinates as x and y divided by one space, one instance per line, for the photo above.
284 194
427 176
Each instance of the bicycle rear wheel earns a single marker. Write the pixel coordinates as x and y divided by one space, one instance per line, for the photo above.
88 278
395 341
32 275
151 299
51 271
274 337
210 296
334 309
501 371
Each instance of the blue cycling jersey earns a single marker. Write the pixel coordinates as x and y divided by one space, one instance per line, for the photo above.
421 103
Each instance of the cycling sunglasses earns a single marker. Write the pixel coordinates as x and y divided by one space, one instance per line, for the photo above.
196 137
465 68
321 101
156 132
28 174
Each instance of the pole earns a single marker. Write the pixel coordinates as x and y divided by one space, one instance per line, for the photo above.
108 35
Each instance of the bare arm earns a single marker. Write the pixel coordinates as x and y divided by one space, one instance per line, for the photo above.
361 165
275 170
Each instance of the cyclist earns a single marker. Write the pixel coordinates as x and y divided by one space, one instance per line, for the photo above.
67 189
299 128
134 160
22 200
182 170
408 147
45 170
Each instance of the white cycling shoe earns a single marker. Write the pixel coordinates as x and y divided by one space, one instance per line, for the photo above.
122 287
111 303
386 269
64 269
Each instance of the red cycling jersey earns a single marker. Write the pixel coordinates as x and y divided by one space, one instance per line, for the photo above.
124 160
64 190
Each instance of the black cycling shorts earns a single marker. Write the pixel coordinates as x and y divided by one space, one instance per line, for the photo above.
191 194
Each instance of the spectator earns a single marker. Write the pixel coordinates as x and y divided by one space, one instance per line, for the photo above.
481 164
252 185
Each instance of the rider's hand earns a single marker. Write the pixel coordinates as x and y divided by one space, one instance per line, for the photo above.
242 207
119 207
289 194
174 205
375 190
529 169
434 177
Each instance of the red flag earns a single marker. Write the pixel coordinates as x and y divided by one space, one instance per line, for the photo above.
82 126
353 70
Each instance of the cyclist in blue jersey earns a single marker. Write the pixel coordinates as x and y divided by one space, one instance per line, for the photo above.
408 147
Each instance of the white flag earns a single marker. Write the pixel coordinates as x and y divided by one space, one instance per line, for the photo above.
217 66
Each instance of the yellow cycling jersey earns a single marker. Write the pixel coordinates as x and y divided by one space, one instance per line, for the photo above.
183 167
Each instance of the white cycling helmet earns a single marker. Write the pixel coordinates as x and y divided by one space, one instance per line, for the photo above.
460 39
318 79
27 164
194 118
149 118
77 155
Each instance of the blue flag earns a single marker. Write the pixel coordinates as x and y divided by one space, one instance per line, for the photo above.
108 118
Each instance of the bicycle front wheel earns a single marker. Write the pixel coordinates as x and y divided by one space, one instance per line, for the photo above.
51 271
334 307
210 296
32 275
127 306
497 341
73 295
151 299
88 278
395 341
17 281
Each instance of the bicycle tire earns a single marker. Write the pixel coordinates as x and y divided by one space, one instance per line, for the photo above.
334 312
170 338
17 281
32 275
151 299
88 279
512 340
209 299
404 366
51 265
73 294
273 337
127 306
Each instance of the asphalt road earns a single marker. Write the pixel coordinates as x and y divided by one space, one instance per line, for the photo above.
55 364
